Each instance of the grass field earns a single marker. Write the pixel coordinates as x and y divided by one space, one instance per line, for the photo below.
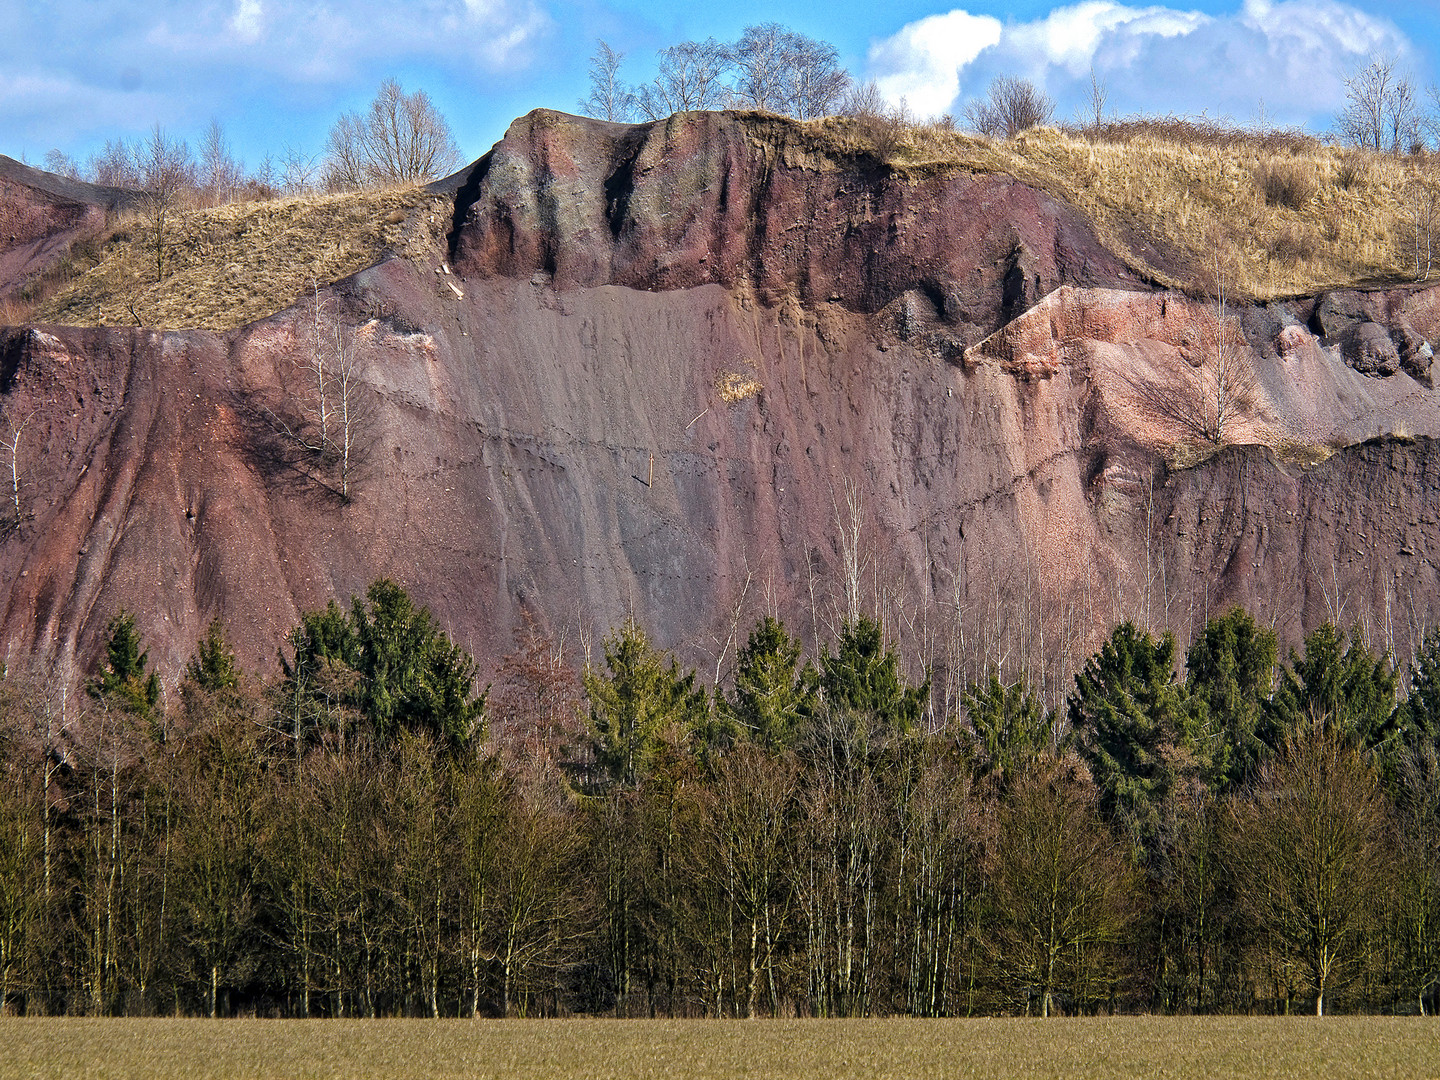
1097 1049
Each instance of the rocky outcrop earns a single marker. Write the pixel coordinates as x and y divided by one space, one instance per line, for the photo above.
695 370
749 200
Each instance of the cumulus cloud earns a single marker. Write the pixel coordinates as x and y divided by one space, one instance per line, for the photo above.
1293 53
921 64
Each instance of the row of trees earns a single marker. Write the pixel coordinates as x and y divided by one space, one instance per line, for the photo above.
768 67
366 834
399 138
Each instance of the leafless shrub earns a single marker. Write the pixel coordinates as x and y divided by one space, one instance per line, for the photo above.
878 124
1290 184
1352 172
13 311
1290 246
1010 106
1216 388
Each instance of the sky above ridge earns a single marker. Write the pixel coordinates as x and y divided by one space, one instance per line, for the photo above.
74 73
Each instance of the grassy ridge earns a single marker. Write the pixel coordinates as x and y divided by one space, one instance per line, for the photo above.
233 264
1277 215
1222 1048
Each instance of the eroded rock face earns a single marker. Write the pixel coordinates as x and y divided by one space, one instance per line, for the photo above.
746 200
786 339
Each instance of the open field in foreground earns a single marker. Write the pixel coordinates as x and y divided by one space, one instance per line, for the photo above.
1218 1047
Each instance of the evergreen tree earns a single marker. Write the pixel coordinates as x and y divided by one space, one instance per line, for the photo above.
123 678
864 675
1009 726
642 693
1347 690
410 675
774 694
213 668
1137 728
1231 668
1417 720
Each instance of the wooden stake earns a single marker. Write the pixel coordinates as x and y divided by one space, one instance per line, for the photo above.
651 481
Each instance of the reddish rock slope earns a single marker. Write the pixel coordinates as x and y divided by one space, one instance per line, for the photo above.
943 382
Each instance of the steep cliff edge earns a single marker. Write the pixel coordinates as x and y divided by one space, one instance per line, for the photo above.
695 370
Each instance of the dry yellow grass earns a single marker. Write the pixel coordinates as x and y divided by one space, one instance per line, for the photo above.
1338 217
1221 1048
230 265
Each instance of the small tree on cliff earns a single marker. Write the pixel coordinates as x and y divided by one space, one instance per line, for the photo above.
610 99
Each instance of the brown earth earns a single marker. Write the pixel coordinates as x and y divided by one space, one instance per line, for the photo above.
942 382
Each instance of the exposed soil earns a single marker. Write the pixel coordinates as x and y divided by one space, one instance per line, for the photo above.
787 336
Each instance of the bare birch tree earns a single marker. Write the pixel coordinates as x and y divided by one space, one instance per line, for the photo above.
609 98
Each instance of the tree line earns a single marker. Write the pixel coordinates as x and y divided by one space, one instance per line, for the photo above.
368 832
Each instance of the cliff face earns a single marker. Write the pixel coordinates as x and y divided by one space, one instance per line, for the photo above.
698 370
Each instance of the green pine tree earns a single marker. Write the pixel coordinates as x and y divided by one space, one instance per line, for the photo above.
775 695
122 678
1137 728
641 693
1231 668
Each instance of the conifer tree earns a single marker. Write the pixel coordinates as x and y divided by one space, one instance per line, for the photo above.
123 677
1137 728
775 695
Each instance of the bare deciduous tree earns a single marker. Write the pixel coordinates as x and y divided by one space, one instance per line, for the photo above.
12 447
1380 113
786 72
62 164
692 76
114 166
166 172
1009 107
1095 102
1419 211
220 174
1308 850
400 139
610 99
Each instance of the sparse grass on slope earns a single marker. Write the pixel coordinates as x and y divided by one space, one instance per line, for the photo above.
1215 1048
1287 216
233 264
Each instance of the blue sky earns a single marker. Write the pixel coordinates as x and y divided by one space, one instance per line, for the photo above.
275 74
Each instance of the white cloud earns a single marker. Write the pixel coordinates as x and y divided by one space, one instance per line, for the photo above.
1069 36
248 22
1292 53
922 63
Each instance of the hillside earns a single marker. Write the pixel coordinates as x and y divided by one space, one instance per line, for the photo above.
952 382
